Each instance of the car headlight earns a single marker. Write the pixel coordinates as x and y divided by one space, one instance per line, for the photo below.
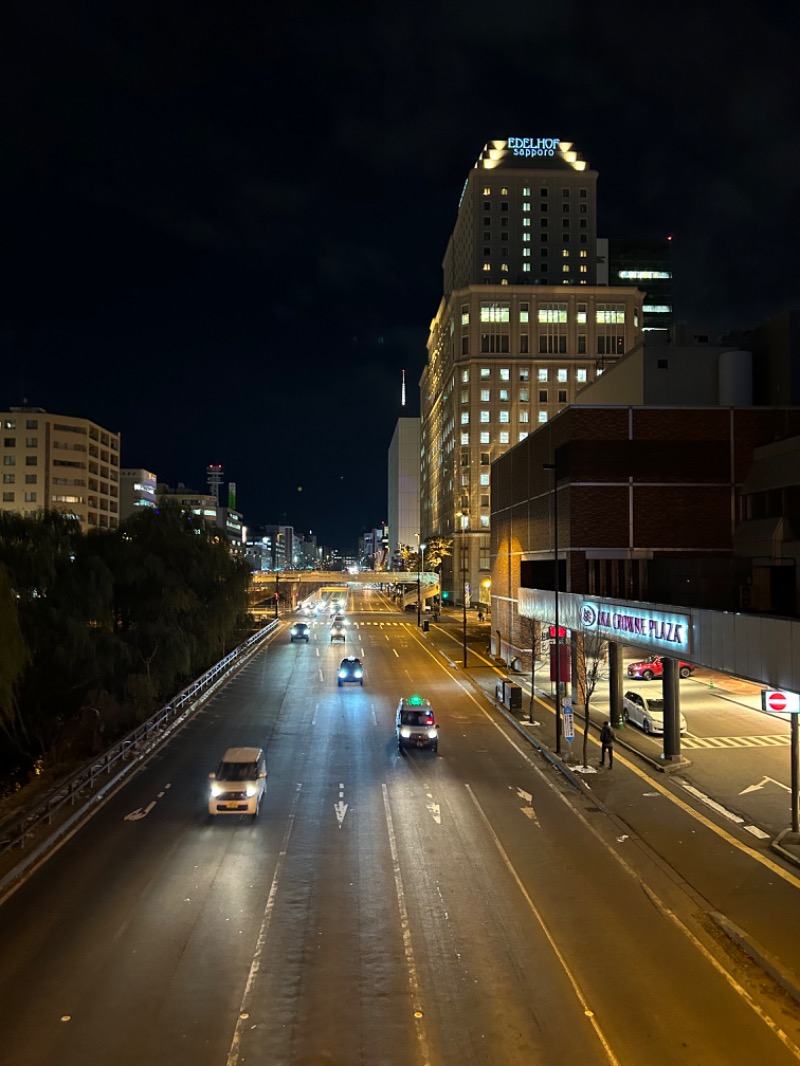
358 673
251 790
404 732
215 790
342 673
431 734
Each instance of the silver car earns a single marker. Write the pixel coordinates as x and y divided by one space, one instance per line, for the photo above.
647 712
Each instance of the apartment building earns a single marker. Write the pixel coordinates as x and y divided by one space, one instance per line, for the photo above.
61 463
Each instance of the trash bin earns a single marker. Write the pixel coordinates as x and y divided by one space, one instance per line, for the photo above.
425 625
513 697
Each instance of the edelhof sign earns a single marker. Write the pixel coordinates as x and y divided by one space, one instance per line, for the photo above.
531 147
668 632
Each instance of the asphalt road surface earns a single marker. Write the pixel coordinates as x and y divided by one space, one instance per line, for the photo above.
459 908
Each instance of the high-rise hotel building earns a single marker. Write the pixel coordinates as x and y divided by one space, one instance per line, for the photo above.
521 327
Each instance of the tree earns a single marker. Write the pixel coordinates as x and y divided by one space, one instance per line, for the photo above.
14 658
590 651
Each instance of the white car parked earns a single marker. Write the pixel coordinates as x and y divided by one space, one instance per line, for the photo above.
647 712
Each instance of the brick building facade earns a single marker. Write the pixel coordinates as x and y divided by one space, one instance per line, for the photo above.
649 500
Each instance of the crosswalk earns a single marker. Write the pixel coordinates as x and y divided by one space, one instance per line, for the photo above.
780 740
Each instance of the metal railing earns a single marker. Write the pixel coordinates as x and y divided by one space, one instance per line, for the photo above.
90 783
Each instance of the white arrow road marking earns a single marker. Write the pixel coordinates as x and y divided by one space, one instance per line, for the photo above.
527 810
140 812
340 807
435 810
762 782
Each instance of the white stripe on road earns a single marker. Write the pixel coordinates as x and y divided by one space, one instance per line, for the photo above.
255 966
405 927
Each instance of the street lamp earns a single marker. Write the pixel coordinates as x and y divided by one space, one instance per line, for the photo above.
552 466
420 567
462 517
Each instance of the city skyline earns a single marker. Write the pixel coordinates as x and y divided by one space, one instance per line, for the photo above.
227 247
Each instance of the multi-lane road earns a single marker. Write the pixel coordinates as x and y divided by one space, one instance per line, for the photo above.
465 907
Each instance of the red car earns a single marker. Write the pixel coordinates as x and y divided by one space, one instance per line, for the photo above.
654 667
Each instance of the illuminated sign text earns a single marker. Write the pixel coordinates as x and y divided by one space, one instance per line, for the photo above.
533 146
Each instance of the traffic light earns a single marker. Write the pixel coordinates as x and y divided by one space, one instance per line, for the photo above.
445 595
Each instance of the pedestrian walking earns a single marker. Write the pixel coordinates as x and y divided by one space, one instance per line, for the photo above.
607 744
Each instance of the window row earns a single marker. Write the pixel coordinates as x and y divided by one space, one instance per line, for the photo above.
499 311
504 374
544 192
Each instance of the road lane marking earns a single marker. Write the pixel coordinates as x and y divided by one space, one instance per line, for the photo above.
762 782
405 927
255 966
587 1011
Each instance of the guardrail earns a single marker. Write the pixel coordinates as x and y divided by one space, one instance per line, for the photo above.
124 754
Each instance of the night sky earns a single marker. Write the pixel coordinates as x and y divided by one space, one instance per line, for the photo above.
221 227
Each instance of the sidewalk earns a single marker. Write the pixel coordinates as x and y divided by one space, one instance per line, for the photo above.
485 673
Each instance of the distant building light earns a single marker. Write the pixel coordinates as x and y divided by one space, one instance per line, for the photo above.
644 275
657 309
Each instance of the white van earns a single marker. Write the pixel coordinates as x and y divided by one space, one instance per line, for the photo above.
240 782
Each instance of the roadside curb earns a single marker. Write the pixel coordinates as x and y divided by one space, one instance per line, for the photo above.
756 954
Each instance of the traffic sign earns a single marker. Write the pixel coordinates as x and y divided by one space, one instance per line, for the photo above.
569 725
775 700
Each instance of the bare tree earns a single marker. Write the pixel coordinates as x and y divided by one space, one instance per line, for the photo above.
590 651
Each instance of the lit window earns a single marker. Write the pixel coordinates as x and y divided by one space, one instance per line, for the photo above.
485 521
465 418
496 312
526 222
465 395
562 374
484 479
581 314
484 438
487 190
525 237
485 416
504 267
465 315
487 267
610 313
524 310
524 395
580 374
505 374
465 376
465 438
504 416
486 395
524 374
584 269
526 268
543 374
526 206
503 396
485 373
504 437
523 434
523 416
543 416
526 252
553 313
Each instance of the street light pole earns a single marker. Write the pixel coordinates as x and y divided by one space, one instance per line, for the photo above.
556 582
419 564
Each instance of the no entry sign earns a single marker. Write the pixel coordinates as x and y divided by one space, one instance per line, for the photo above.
775 700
